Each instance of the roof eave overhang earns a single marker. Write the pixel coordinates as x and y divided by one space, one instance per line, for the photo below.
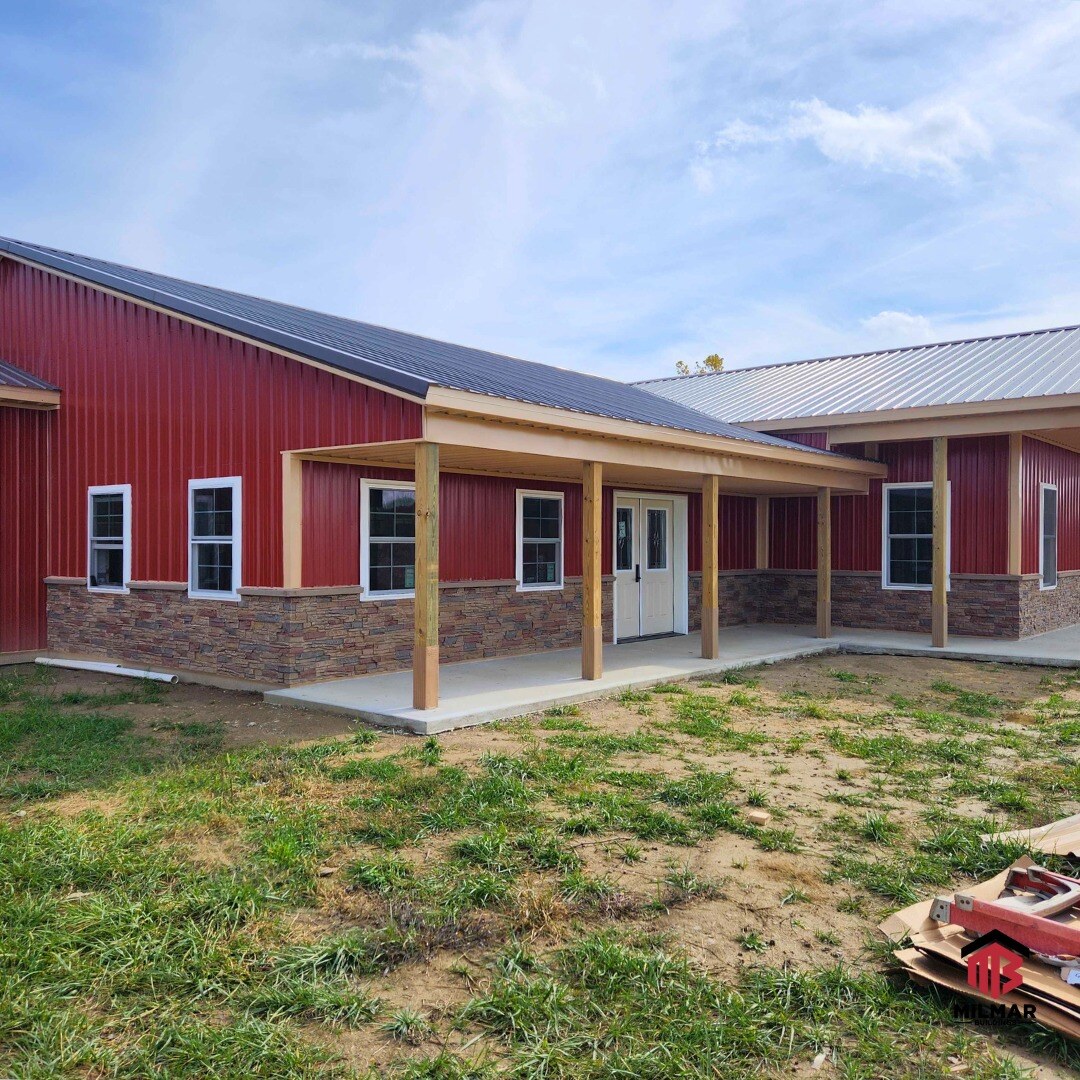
508 411
24 397
1001 416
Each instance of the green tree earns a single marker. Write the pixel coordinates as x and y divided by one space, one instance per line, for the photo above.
712 362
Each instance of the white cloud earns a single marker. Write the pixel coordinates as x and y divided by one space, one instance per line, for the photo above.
895 328
457 70
932 138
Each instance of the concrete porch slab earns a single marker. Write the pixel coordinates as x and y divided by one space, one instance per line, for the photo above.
1058 648
480 691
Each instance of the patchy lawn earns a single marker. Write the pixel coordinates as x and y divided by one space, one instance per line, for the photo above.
188 890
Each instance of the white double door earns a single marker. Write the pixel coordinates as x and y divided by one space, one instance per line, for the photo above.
644 571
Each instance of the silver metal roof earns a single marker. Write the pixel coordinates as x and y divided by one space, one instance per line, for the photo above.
1034 364
10 375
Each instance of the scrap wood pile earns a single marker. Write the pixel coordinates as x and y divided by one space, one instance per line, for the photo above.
1011 944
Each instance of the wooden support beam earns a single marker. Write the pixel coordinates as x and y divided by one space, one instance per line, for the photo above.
761 533
426 613
1016 510
710 567
292 520
592 632
940 575
824 562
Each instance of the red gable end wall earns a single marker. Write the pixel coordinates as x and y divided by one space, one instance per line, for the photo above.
151 400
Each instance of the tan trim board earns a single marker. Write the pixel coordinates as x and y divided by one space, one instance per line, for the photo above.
442 401
28 397
1016 505
848 427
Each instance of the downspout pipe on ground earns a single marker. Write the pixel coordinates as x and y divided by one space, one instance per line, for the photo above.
107 669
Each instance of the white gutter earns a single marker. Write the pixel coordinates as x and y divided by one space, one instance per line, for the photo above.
106 669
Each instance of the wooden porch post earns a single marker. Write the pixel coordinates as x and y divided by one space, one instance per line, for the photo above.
426 613
761 533
292 520
939 578
592 633
710 567
824 562
1016 461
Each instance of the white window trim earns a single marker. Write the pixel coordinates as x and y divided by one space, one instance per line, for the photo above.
1043 587
519 540
109 489
235 483
365 538
885 583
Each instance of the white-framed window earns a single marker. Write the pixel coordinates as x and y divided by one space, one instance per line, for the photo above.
539 539
388 537
907 527
1048 536
214 537
108 552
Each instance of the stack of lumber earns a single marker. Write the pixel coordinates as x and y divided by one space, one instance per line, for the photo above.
933 957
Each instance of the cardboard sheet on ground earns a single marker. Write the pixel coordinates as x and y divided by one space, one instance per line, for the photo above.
1058 838
935 957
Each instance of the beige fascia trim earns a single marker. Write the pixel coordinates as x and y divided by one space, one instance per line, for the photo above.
26 397
442 402
840 424
247 339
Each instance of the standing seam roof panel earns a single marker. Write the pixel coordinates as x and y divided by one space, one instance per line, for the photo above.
406 362
1039 363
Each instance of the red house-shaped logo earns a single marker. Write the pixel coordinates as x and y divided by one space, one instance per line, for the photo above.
993 963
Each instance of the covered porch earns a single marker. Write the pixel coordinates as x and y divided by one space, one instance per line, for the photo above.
535 443
481 691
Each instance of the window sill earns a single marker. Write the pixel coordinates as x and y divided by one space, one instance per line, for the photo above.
914 588
114 590
539 588
195 594
1047 588
367 595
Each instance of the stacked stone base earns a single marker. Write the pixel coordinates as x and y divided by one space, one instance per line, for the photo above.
284 637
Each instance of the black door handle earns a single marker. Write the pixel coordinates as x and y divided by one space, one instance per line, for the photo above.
637 571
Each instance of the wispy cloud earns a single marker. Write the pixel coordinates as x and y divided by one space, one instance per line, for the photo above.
936 138
513 174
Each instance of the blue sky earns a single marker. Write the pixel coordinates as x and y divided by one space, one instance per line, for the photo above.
607 186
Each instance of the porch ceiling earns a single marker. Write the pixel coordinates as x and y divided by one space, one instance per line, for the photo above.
472 445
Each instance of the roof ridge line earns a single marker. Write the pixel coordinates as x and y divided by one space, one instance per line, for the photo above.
859 355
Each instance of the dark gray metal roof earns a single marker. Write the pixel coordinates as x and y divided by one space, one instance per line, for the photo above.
10 375
1034 364
391 358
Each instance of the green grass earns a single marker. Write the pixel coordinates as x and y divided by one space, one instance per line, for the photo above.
122 954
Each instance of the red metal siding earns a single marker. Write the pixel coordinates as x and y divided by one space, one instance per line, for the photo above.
153 401
978 471
1046 464
478 516
24 519
792 532
819 440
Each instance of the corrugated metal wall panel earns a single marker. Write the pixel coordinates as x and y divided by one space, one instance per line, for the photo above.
153 401
477 521
819 440
978 470
24 517
1047 464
